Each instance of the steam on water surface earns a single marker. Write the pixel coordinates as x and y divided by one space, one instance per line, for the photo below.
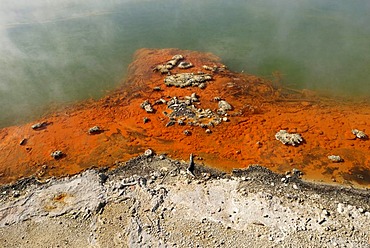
55 52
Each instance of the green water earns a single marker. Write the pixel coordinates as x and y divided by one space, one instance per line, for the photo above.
57 52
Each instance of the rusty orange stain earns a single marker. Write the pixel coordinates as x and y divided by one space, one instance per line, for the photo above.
247 138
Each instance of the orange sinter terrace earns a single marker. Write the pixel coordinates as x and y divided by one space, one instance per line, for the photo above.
178 103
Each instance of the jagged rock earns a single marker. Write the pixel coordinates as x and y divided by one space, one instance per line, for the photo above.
287 138
224 105
359 134
165 68
186 79
147 107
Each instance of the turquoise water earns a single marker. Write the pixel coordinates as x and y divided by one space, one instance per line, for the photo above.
57 52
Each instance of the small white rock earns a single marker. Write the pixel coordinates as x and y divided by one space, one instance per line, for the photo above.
340 208
325 213
148 152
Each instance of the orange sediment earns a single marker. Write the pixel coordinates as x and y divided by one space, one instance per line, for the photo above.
248 137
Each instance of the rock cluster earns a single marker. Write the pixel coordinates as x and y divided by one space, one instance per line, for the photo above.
183 110
214 68
170 64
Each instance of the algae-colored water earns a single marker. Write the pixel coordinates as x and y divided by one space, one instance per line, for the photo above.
56 52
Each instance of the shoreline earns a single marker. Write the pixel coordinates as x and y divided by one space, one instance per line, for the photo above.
237 138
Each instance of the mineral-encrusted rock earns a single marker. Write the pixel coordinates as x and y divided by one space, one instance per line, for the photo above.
148 153
187 132
209 68
214 68
57 154
94 130
187 79
359 134
192 98
165 68
38 125
224 105
147 107
181 110
185 65
160 101
335 158
202 86
287 138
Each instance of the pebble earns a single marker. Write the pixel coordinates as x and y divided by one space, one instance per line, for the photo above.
148 152
325 213
38 125
56 154
187 132
94 130
340 208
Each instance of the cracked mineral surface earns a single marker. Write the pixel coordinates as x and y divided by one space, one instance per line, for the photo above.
154 202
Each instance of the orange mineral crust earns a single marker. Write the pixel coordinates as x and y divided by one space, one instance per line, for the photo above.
218 137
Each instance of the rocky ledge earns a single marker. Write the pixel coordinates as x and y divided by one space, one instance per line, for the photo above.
152 201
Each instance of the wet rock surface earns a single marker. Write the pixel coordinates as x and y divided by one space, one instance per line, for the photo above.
154 202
